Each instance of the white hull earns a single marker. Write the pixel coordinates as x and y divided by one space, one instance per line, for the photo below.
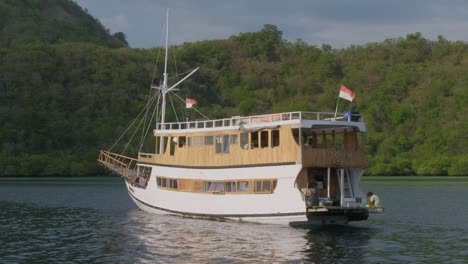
284 205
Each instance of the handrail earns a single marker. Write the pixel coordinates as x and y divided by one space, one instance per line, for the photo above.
122 165
257 119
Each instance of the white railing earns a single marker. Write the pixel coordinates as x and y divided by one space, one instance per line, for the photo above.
257 119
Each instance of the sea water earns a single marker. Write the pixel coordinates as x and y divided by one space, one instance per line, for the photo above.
94 221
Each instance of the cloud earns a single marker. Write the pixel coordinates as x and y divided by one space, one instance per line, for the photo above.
339 23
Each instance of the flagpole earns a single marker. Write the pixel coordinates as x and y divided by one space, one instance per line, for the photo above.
336 109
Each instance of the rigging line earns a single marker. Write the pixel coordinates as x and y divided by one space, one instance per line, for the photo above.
141 121
173 108
157 57
149 124
126 130
146 114
193 107
136 130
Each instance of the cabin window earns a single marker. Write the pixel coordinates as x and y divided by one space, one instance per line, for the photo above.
244 140
216 187
208 140
230 186
173 145
182 141
258 186
233 139
206 186
254 140
226 143
242 186
222 144
195 141
275 138
167 183
264 139
218 144
266 186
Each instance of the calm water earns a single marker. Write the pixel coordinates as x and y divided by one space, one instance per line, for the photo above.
94 221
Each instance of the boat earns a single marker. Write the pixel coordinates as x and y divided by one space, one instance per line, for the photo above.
280 168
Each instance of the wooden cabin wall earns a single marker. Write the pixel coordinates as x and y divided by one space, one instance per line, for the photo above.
206 156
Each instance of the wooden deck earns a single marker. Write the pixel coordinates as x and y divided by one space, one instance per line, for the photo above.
119 164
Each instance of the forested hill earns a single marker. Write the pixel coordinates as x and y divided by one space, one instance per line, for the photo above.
51 21
61 102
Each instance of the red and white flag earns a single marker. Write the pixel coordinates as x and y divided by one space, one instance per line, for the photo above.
189 102
346 93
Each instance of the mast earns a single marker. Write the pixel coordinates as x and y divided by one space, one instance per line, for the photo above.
164 88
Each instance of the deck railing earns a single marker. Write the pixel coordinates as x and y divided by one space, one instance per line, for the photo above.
122 165
257 119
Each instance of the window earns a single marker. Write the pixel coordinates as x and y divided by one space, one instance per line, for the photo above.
222 144
233 139
258 186
230 187
275 138
254 140
218 144
166 183
242 186
217 187
226 143
173 145
213 186
195 141
266 186
208 140
244 140
182 141
206 186
264 139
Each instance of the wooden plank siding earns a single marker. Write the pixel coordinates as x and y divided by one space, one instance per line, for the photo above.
287 151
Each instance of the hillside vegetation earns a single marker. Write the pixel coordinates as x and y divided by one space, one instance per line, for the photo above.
50 21
62 101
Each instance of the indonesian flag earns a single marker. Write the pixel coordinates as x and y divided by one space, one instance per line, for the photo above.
189 102
346 93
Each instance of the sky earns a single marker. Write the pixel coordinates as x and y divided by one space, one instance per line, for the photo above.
337 23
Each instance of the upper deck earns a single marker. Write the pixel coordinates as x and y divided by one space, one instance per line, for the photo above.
297 119
315 139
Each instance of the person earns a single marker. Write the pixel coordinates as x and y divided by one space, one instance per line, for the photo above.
312 195
373 200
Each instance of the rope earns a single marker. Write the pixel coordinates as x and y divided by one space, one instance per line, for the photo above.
141 121
155 112
193 108
125 132
173 108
